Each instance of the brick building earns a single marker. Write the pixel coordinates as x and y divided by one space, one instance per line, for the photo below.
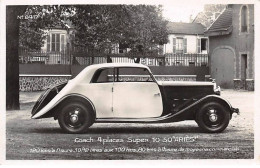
231 47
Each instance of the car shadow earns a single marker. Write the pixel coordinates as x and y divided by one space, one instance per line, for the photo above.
142 130
127 130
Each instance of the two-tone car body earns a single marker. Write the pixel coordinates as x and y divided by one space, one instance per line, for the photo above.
129 93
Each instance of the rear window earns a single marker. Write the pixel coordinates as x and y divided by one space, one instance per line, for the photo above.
103 76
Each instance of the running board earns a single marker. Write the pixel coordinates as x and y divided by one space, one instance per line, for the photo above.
133 120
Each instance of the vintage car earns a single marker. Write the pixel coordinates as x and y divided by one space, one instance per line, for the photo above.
129 93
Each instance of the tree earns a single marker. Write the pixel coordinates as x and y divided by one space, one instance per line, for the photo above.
12 58
14 14
101 26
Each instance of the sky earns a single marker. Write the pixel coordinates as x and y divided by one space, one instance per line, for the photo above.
181 12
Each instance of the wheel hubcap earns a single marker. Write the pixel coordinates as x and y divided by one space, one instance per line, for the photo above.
74 117
213 117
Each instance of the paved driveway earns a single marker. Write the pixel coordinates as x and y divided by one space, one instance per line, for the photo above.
43 139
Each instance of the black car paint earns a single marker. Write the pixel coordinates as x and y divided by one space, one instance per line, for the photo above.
46 97
176 98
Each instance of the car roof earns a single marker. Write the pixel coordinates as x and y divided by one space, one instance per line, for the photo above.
110 65
87 73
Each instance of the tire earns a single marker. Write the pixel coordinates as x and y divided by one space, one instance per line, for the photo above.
213 117
75 118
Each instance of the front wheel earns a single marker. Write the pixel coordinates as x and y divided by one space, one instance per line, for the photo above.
213 117
75 118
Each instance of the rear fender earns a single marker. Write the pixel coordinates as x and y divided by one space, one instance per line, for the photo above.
67 99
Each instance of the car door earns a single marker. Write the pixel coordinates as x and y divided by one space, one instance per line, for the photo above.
100 92
135 94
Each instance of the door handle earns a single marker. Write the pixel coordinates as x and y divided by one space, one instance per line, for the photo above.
157 94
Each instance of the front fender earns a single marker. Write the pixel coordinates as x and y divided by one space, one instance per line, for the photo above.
210 98
222 101
188 112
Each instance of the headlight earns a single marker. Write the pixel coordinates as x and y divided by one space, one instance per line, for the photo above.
217 89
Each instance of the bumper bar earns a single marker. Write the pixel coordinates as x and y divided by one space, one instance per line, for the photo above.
235 110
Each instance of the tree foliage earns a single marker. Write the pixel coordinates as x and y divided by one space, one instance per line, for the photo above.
99 26
134 25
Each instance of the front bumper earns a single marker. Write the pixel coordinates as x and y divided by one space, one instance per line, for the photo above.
217 90
235 110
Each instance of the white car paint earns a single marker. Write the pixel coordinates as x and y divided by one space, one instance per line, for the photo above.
82 85
137 100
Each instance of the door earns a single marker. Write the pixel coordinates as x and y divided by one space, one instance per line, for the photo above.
100 92
135 94
222 67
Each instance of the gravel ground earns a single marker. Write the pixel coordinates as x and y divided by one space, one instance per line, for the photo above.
44 140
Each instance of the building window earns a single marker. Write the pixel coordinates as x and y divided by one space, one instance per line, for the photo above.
56 42
244 19
204 46
243 66
179 45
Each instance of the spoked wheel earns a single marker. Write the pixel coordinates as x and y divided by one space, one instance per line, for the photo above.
75 118
213 117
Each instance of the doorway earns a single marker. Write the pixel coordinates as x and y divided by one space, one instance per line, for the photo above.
222 67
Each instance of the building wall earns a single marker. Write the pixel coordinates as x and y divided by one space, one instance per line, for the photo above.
240 43
191 43
29 82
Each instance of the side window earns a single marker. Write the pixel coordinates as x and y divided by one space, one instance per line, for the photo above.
133 75
103 76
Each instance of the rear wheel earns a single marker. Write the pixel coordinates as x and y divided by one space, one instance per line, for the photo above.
213 117
75 118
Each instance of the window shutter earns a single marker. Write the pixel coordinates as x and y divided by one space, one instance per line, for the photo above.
174 45
48 43
57 42
53 42
198 46
184 45
62 43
